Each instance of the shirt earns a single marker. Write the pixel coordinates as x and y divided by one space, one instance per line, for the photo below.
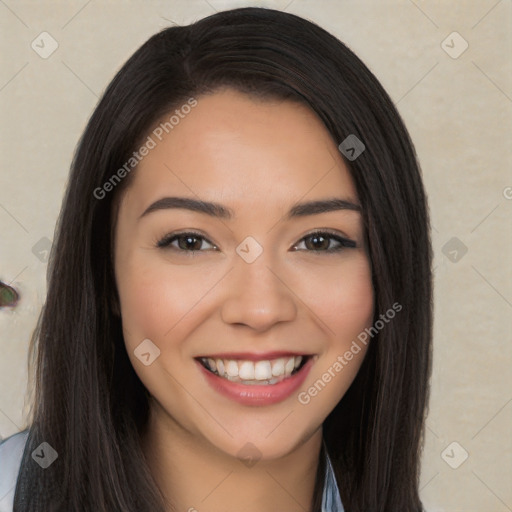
11 452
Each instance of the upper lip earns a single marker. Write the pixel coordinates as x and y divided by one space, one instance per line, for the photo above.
254 356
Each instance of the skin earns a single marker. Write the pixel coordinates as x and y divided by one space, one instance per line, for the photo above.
257 158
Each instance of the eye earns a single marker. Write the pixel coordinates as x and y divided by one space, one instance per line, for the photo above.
186 242
320 241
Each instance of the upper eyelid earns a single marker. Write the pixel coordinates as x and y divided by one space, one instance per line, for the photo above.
326 231
167 238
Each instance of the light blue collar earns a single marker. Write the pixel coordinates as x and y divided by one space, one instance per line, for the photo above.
331 500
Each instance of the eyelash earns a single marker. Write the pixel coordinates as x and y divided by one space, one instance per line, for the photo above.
345 243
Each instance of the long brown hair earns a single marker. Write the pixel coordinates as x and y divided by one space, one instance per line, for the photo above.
90 405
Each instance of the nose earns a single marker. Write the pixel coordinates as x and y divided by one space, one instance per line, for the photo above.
257 296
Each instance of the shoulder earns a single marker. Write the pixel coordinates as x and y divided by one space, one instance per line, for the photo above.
11 452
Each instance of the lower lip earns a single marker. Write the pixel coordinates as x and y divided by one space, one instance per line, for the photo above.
254 394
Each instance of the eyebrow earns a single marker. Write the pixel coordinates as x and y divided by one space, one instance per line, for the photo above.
219 211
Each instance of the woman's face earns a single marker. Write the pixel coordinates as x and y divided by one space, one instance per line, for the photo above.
252 289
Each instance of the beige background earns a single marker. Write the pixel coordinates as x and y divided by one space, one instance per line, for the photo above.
458 109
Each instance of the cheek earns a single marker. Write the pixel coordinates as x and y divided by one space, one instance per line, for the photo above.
157 304
153 299
343 298
347 308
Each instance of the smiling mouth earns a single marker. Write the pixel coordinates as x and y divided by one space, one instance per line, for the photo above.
250 373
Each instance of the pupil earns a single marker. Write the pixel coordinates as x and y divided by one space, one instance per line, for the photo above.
316 238
189 243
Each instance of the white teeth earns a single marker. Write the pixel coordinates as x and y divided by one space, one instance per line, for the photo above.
246 370
232 368
290 364
250 372
263 370
278 367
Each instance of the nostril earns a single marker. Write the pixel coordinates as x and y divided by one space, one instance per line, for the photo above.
8 296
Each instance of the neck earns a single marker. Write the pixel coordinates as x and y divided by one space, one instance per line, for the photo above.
195 476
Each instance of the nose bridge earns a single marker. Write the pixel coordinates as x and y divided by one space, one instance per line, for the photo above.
257 295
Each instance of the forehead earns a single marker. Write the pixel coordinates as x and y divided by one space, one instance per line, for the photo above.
239 150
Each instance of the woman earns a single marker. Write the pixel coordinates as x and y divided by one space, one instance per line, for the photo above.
239 296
